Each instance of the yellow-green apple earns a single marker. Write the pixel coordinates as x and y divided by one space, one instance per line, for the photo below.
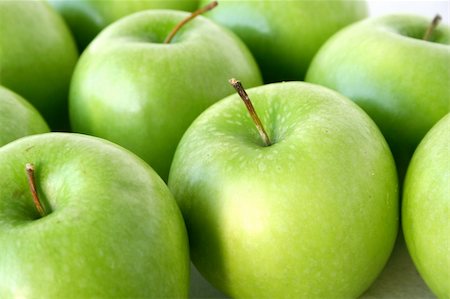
426 208
284 35
131 88
18 118
103 233
86 18
384 65
313 215
37 57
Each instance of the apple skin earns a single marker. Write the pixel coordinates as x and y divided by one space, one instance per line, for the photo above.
400 80
86 18
425 208
134 90
37 57
314 215
109 235
18 118
284 36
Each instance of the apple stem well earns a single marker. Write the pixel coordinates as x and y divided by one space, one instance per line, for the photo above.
434 23
32 183
192 16
248 103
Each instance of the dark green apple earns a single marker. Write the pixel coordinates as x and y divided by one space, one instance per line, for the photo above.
399 79
18 118
86 18
426 208
313 215
111 229
131 88
285 35
37 57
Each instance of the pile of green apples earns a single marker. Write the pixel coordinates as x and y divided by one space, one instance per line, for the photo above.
125 152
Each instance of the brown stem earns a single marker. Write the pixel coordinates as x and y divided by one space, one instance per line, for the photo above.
31 182
436 20
193 15
244 96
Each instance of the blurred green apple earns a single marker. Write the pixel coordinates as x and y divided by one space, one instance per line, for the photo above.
426 208
314 215
37 57
285 35
106 234
86 18
18 118
399 79
131 88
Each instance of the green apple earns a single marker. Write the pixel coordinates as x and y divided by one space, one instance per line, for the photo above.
284 35
314 215
86 18
18 118
106 234
37 57
400 80
425 208
136 91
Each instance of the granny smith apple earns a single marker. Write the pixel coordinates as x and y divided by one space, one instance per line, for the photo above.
131 88
425 208
18 118
86 18
284 35
37 57
105 234
313 215
399 79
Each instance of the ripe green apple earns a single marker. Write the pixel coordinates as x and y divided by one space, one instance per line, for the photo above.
134 90
18 118
400 80
37 57
425 208
314 215
86 18
107 234
285 35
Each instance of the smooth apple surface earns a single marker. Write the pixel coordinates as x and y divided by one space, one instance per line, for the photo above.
86 18
284 36
131 88
314 215
37 57
400 80
18 118
425 208
108 234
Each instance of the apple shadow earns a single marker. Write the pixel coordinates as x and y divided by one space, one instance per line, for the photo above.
201 288
399 278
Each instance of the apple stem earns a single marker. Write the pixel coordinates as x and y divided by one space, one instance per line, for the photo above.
192 16
244 96
32 183
436 20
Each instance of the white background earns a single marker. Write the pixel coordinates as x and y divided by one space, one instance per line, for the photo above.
400 278
423 7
